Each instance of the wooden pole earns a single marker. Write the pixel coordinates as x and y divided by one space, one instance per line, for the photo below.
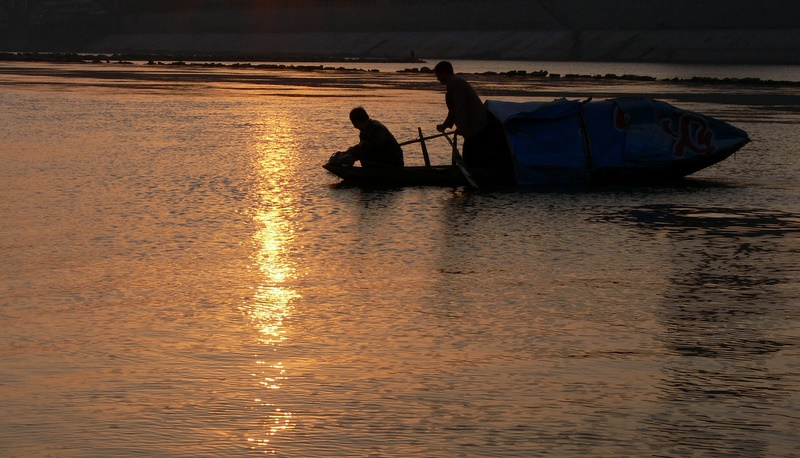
424 138
424 148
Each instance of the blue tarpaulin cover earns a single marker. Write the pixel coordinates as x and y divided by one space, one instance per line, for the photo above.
567 141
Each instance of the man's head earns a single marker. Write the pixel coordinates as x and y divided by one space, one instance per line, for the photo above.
359 117
443 71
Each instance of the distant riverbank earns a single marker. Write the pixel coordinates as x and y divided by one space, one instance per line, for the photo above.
235 62
114 72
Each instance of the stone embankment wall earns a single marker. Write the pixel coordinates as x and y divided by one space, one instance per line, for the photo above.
713 31
729 47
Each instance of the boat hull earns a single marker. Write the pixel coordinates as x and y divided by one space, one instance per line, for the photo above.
442 175
450 175
666 172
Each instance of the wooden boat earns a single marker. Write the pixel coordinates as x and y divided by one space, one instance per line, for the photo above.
573 142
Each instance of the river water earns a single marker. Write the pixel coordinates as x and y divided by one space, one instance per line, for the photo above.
179 277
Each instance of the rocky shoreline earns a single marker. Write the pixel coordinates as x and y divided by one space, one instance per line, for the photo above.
239 62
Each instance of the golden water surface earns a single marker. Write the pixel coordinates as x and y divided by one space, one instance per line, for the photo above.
180 277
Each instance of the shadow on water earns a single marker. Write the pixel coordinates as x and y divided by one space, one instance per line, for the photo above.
726 325
683 184
578 188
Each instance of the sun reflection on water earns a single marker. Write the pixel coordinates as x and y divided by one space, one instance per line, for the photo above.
273 301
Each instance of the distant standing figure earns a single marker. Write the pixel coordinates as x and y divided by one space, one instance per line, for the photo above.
484 141
377 146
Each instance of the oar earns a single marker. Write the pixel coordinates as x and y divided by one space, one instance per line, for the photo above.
459 161
416 140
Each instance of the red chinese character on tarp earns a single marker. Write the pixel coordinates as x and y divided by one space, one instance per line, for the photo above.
621 120
692 135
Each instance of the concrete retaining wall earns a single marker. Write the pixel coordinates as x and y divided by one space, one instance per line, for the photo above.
507 15
727 46
713 31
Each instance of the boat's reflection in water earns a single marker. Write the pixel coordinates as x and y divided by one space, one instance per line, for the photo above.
728 286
